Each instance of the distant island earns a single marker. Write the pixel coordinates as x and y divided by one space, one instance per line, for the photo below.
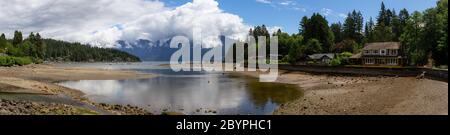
35 49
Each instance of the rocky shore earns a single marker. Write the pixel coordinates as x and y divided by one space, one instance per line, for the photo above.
38 79
8 107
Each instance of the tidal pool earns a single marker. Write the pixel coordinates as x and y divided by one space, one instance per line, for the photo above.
194 93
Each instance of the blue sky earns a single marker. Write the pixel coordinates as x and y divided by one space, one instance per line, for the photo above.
287 13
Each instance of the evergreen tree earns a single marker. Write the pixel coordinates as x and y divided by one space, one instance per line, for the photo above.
403 16
382 15
368 31
336 28
17 38
353 26
317 28
396 26
313 46
40 46
383 31
412 40
3 42
303 25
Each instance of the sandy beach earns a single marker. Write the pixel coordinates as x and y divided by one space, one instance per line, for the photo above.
350 95
39 79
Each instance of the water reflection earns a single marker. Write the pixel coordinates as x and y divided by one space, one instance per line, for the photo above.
191 94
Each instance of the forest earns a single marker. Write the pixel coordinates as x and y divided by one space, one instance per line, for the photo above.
422 34
35 49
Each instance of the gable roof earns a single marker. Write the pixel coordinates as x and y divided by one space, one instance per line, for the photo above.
321 55
356 56
382 45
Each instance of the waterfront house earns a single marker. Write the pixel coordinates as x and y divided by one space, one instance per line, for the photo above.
381 53
321 59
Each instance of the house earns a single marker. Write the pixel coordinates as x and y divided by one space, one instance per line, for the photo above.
323 58
381 53
355 59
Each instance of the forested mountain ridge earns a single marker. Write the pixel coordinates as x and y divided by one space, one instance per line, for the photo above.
64 51
35 49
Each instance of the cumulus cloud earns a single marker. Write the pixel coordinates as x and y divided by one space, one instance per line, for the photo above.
102 22
204 15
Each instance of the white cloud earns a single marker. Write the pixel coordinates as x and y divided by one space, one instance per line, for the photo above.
274 29
264 1
326 11
300 9
342 15
102 22
287 3
283 4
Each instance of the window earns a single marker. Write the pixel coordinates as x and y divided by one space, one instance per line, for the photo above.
369 61
392 61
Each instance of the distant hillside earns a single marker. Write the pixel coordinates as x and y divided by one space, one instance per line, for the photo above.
57 50
148 50
154 51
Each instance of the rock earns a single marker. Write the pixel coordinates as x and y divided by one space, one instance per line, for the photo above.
3 111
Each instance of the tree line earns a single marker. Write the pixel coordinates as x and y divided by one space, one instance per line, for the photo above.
423 34
35 49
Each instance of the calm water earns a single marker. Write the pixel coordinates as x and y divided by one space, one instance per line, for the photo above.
187 92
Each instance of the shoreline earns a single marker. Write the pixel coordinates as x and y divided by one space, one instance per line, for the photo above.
361 95
39 79
322 94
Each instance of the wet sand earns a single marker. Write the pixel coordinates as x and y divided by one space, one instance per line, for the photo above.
350 95
39 79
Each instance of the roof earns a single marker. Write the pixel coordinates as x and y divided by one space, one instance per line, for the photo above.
320 56
356 56
382 45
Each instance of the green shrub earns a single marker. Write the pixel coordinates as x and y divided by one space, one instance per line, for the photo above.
6 61
37 60
22 61
11 61
336 62
346 55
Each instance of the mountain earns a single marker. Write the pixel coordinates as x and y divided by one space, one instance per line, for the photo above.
148 50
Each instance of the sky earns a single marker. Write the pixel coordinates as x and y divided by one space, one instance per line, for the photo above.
103 22
287 13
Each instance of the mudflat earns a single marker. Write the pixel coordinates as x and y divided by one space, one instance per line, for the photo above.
39 79
362 95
